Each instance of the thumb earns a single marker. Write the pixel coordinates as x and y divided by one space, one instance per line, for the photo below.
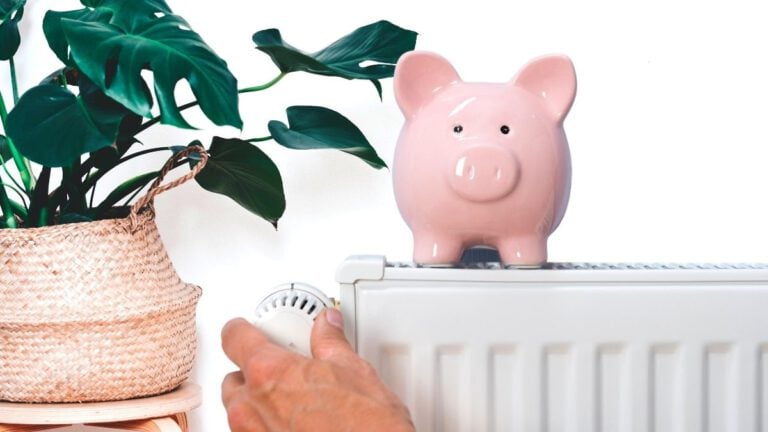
327 339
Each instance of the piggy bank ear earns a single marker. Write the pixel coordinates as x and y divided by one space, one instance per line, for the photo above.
551 78
418 76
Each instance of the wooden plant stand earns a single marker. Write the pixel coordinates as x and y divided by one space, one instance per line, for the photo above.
163 413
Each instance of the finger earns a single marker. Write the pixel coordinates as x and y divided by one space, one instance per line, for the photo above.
243 417
241 341
265 369
327 339
231 385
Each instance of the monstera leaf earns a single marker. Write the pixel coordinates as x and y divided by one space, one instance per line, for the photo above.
11 12
114 57
312 127
243 172
381 44
126 15
129 15
54 33
52 126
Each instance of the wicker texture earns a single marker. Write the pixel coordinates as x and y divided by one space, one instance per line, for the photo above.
94 311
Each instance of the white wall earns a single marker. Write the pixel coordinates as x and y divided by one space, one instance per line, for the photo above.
667 137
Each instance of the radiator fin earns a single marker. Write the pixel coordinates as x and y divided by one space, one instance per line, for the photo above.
762 391
395 369
556 387
718 392
505 387
665 384
451 390
604 387
611 389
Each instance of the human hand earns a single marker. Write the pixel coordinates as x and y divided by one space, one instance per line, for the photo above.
277 390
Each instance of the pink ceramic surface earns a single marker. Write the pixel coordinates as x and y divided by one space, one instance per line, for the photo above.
482 163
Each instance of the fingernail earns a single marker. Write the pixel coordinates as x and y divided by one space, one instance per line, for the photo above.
334 318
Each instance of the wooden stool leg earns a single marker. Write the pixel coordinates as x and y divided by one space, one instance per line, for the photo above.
167 424
27 428
181 419
174 423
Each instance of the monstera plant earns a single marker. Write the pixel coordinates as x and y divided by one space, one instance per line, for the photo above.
121 58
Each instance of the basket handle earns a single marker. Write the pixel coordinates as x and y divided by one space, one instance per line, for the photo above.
146 202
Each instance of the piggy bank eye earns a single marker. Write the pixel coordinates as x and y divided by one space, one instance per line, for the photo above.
457 129
505 129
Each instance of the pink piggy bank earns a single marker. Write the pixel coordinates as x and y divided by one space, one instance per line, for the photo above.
482 163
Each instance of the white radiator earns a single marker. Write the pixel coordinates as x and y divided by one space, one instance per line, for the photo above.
573 347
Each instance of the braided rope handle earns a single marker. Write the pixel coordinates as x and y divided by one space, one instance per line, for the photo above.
146 202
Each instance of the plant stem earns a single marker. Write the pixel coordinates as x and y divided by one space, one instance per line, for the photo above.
135 194
18 192
141 153
18 159
15 89
70 178
157 119
5 168
134 185
7 209
91 180
259 139
38 207
14 84
264 86
93 192
43 217
55 199
126 188
19 210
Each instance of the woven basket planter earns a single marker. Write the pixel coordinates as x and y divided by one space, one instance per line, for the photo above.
94 311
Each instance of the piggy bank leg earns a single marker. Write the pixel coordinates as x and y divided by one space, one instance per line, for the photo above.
432 249
523 251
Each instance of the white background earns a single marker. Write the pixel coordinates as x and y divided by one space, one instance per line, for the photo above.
667 136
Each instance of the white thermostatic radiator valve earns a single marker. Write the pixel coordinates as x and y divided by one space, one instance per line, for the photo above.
286 315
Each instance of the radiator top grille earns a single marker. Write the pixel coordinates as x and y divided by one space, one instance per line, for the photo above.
592 266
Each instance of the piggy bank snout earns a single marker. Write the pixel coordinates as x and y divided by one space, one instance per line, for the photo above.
484 173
